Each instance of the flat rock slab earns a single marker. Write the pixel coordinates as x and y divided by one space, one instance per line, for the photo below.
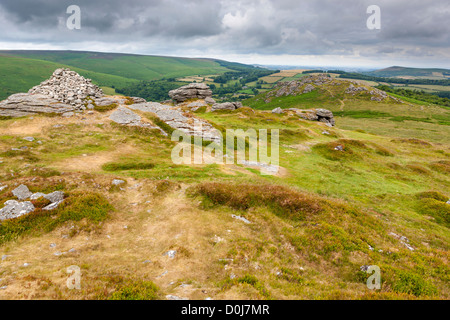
24 104
125 116
14 209
175 118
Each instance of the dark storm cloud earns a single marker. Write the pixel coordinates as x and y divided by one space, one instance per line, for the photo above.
294 27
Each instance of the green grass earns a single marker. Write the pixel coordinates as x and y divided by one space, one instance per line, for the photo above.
21 70
136 290
76 207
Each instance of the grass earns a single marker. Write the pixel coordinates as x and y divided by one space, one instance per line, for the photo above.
284 202
311 225
136 290
22 70
78 206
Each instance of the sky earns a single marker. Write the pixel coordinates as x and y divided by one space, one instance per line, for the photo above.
413 33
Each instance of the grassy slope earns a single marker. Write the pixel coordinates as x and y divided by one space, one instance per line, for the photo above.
413 119
20 70
346 202
402 71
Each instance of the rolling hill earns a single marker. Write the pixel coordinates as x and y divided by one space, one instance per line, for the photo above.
359 108
20 70
397 71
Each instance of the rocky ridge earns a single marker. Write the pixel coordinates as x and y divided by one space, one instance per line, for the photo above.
310 83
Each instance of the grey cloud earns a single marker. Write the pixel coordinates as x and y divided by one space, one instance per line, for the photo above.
297 27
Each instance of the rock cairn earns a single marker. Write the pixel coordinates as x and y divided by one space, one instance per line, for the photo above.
191 91
68 87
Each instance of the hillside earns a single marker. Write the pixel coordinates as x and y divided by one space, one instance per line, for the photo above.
356 107
140 226
392 72
20 70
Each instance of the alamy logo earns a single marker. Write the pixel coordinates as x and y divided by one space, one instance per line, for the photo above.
374 21
74 21
374 281
74 281
249 147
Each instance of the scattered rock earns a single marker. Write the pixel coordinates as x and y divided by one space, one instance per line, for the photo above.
277 111
52 206
177 120
22 192
117 182
24 104
196 105
171 297
14 209
30 139
125 116
3 187
37 195
241 219
171 254
364 268
68 114
138 100
339 148
226 106
264 166
54 197
210 100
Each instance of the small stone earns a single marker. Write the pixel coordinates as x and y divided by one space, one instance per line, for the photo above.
3 288
68 114
117 182
30 139
52 206
170 297
277 111
37 195
339 148
22 192
241 219
171 254
56 196
52 245
147 261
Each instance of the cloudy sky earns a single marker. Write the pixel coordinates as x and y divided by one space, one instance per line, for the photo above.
279 32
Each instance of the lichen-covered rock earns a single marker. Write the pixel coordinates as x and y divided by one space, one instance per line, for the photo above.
24 104
191 91
125 116
226 106
14 209
22 192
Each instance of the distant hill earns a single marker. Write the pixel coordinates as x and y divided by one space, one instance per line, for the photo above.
411 72
21 70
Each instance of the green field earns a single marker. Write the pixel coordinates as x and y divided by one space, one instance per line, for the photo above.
431 73
21 70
